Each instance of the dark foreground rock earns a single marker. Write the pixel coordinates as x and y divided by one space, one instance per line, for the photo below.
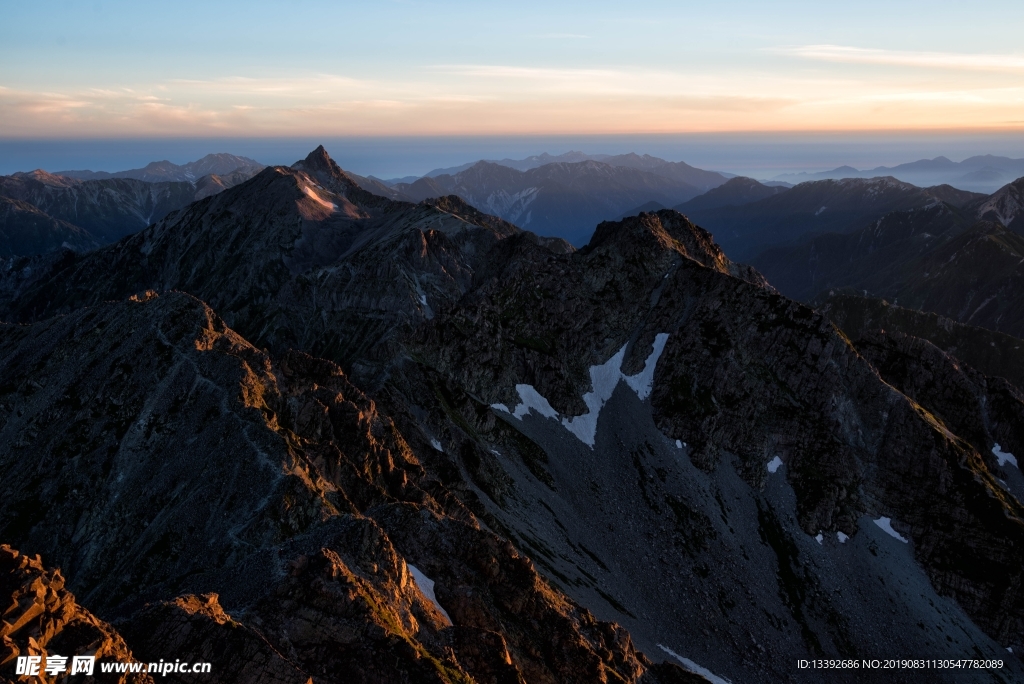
159 459
42 618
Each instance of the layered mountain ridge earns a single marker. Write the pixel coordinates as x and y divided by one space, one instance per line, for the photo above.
219 164
565 198
826 206
596 459
980 173
45 211
962 262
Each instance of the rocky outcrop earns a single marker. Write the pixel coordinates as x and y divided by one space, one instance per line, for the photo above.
42 618
194 465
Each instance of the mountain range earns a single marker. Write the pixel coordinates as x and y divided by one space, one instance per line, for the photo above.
562 198
40 211
781 216
220 164
644 162
316 433
981 173
963 262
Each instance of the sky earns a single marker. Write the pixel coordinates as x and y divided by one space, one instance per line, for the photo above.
393 68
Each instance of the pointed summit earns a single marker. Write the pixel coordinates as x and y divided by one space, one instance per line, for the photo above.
320 158
319 165
318 161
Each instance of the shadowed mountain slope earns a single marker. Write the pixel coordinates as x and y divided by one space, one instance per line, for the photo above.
734 192
816 264
650 427
829 206
992 353
25 230
108 209
562 199
192 462
940 259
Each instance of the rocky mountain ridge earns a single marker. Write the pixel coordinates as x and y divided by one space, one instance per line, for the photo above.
680 171
960 262
560 198
327 491
734 192
814 207
640 432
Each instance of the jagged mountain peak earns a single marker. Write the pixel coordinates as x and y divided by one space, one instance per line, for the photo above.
652 237
319 157
319 165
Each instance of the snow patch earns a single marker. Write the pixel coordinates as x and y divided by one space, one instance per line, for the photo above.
437 445
679 444
529 398
774 464
693 667
603 379
819 538
643 382
318 199
426 586
1004 456
423 299
841 537
886 525
819 211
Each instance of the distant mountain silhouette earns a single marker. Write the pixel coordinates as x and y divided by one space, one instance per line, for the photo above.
564 199
84 214
961 262
734 192
220 164
982 173
826 206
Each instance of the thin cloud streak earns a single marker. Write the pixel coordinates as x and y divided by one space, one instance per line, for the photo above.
559 36
931 60
507 99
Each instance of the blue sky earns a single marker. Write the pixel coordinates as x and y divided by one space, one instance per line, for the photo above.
109 69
